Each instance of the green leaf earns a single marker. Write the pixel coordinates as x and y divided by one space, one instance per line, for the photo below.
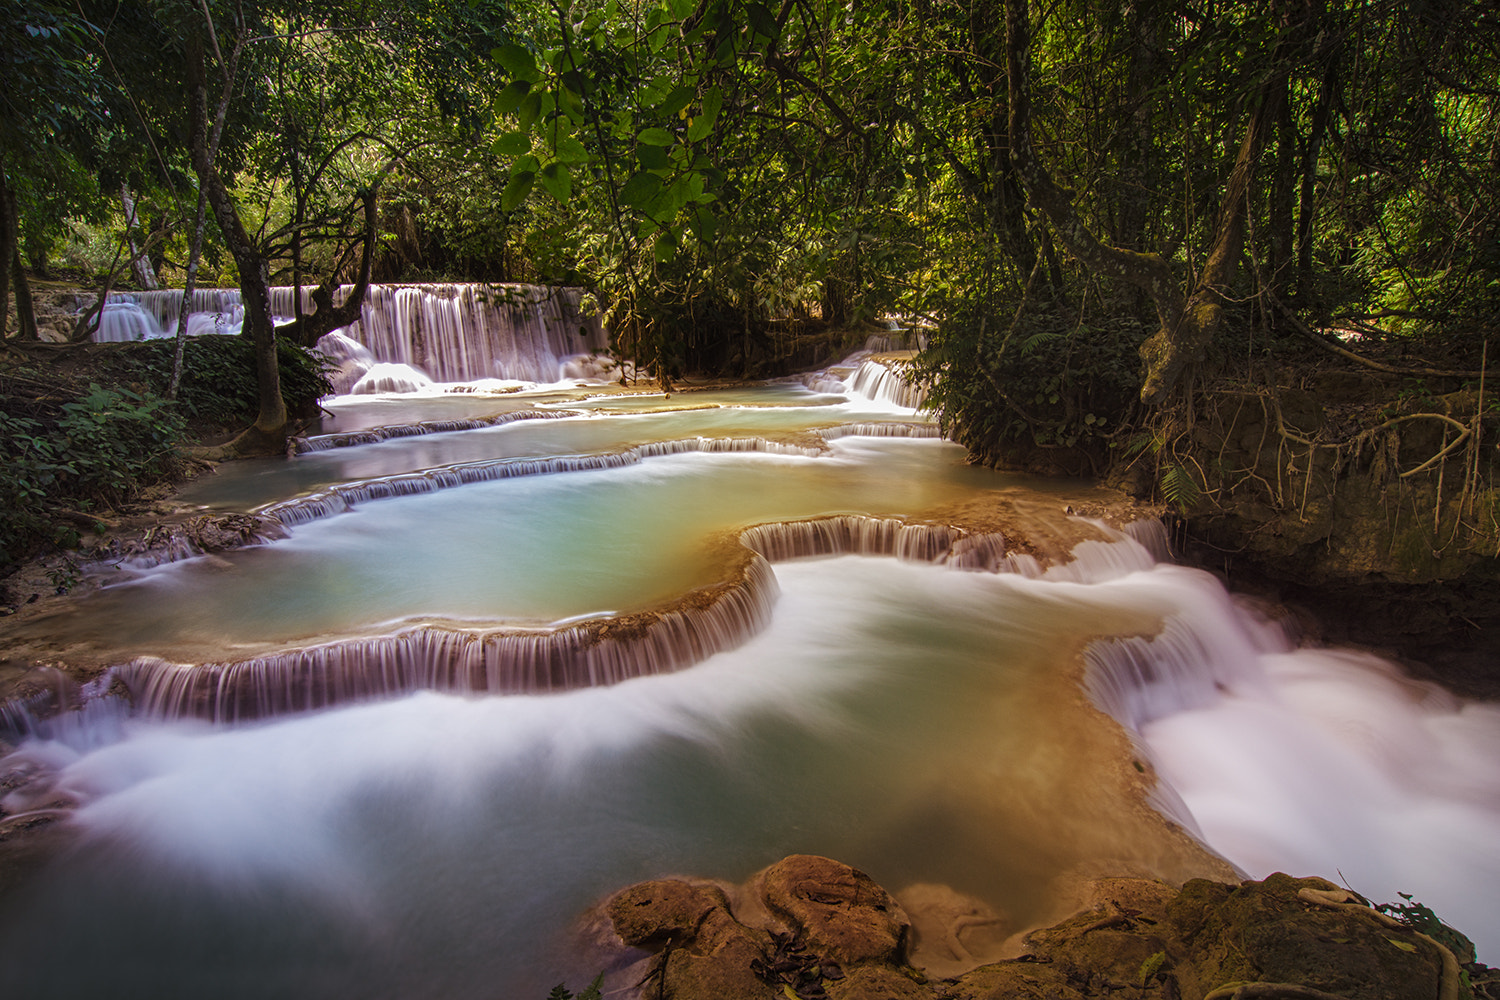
656 137
516 61
510 98
712 102
651 157
516 190
675 101
569 149
557 181
704 224
516 143
666 246
640 189
529 110
656 91
762 21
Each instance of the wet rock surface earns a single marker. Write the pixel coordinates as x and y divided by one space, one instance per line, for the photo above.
811 928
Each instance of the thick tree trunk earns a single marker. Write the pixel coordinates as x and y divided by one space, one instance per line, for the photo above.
25 313
269 431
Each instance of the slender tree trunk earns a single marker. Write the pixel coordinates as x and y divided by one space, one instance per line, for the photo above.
1307 209
269 431
10 240
145 276
195 254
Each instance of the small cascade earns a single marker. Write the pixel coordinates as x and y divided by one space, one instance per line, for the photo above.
207 533
122 320
884 429
471 661
877 536
387 432
387 377
212 310
351 361
345 496
885 381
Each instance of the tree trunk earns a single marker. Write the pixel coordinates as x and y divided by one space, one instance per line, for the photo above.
10 240
195 255
25 314
306 330
144 275
269 431
1187 323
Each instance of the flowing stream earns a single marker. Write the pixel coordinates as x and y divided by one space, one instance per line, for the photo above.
801 657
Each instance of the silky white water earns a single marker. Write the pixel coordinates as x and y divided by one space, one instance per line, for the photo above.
924 723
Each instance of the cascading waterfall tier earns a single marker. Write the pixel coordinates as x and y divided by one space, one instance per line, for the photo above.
462 660
446 332
390 432
345 496
886 380
180 542
506 660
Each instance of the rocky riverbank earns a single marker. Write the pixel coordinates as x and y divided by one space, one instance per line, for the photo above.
812 928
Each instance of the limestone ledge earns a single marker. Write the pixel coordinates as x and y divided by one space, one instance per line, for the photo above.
810 928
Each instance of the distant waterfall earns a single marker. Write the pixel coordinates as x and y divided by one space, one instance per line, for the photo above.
444 332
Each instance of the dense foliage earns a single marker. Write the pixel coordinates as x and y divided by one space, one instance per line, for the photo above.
72 450
1088 208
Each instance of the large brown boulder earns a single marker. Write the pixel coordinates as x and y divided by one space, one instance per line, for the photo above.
840 913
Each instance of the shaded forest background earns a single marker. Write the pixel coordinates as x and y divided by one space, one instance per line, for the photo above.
1243 259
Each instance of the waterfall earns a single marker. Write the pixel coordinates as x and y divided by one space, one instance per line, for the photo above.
885 381
437 332
471 661
872 536
389 432
341 498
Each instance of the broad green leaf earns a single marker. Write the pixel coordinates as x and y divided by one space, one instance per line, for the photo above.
640 189
656 91
510 98
525 165
570 103
712 102
514 143
569 149
651 157
516 190
517 61
529 109
682 8
762 21
699 128
666 246
704 223
675 101
557 181
656 137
